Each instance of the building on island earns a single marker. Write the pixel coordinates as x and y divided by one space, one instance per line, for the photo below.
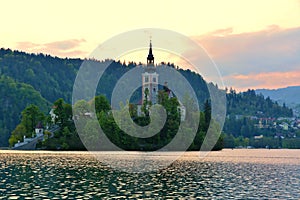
150 79
29 143
150 86
39 129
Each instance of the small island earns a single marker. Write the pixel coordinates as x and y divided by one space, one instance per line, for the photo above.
252 121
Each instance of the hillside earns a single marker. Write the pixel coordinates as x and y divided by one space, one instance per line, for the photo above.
39 79
53 77
252 104
15 97
289 95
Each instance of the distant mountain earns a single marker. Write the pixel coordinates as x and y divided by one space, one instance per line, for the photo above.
289 95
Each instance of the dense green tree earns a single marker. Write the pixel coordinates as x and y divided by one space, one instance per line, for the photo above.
101 104
63 112
17 134
81 107
31 115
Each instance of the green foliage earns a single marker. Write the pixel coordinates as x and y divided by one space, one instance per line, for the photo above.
66 138
63 112
81 107
31 116
146 103
14 98
229 141
250 104
39 79
51 76
207 112
17 134
291 143
101 104
265 142
242 106
159 140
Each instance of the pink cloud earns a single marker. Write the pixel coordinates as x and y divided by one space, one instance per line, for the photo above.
65 45
65 48
273 52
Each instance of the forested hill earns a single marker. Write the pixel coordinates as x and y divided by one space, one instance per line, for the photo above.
53 77
289 96
252 104
39 79
14 98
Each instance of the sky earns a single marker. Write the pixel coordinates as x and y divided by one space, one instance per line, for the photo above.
255 44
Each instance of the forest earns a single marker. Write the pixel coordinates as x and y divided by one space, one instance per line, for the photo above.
67 138
40 80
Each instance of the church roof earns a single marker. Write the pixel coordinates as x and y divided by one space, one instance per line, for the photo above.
150 55
39 125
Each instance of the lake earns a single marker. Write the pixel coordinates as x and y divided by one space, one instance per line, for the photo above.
226 174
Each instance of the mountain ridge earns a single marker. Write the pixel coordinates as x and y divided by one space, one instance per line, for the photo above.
289 96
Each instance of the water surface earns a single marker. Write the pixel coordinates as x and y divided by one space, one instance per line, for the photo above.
227 174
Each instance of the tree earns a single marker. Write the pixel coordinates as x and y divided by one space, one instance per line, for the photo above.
81 107
101 104
59 111
17 134
229 141
63 112
31 115
146 103
207 112
162 97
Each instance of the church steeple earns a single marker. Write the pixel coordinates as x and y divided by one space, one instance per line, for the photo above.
150 58
150 78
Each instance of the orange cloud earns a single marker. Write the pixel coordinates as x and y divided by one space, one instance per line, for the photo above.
270 80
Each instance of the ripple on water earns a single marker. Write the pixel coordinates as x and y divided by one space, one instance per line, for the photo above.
80 176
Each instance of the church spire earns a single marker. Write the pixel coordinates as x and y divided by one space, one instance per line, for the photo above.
150 58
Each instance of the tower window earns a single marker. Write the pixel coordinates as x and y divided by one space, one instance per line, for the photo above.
146 79
154 79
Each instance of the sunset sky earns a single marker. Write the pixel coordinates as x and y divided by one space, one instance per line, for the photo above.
256 44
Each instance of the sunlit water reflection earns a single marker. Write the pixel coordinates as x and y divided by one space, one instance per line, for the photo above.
228 174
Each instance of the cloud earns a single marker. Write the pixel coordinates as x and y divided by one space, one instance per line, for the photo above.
221 32
65 48
271 80
65 45
247 57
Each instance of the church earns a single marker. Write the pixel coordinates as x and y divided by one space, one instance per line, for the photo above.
150 84
150 78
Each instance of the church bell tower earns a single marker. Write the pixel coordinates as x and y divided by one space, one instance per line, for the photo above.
150 78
